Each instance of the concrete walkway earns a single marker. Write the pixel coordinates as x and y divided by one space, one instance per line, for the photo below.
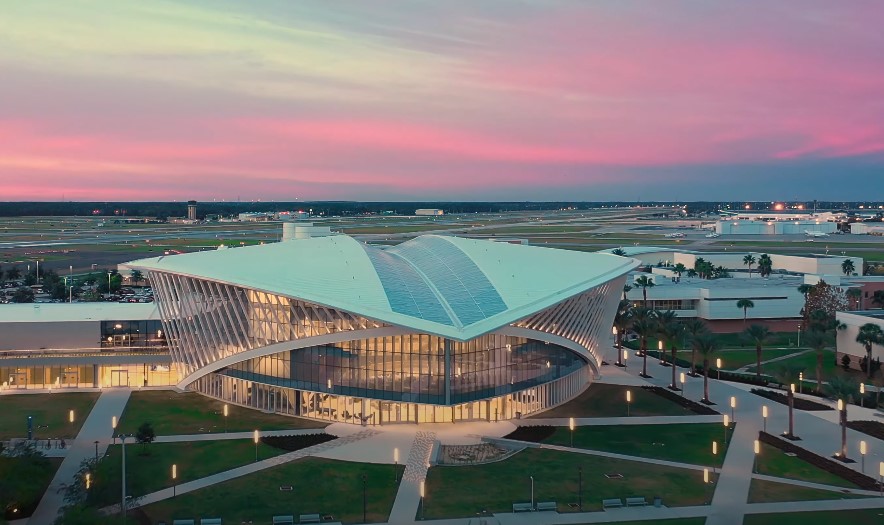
407 502
97 427
180 438
745 368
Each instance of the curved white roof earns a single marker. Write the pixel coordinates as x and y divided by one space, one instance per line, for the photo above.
449 286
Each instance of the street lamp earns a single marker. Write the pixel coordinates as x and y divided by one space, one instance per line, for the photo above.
755 458
881 477
619 347
764 416
114 428
718 367
714 453
256 438
660 349
532 491
862 452
842 412
800 382
571 426
424 494
71 419
733 407
88 481
683 379
123 481
727 422
580 488
174 477
628 400
862 395
396 463
225 417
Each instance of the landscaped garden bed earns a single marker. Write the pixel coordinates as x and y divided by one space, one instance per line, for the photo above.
872 428
691 405
860 480
799 403
532 434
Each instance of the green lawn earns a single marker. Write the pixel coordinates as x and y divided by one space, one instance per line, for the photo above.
731 341
734 359
808 362
774 462
602 400
149 473
762 491
454 492
817 517
318 486
674 521
685 443
51 410
23 480
191 413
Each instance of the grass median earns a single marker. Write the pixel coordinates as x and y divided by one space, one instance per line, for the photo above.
51 414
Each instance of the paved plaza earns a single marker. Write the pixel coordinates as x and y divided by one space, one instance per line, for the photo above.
414 445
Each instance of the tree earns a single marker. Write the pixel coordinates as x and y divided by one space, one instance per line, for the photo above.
23 295
644 326
749 260
694 328
845 389
669 330
13 274
759 336
136 276
626 290
847 267
870 334
679 269
824 298
765 265
145 434
619 251
787 375
23 467
817 341
745 304
644 282
706 345
804 290
691 272
854 295
622 321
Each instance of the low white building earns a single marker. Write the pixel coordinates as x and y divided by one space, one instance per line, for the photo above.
428 211
814 263
846 338
771 227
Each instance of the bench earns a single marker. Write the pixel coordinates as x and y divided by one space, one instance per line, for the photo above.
547 505
636 502
283 520
522 507
210 521
182 522
309 518
614 503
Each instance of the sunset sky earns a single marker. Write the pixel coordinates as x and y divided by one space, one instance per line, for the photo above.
441 100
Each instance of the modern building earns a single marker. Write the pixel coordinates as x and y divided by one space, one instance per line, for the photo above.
191 210
436 329
846 338
428 211
83 345
771 227
303 230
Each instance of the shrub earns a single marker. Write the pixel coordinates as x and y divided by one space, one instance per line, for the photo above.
845 361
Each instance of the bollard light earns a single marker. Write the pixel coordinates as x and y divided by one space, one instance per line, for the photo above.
733 402
88 480
571 424
727 420
614 330
114 422
706 475
174 471
659 345
625 355
423 490
718 362
714 448
792 388
71 416
757 446
840 404
226 411
764 411
681 377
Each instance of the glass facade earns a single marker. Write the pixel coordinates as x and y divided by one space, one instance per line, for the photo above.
127 335
86 376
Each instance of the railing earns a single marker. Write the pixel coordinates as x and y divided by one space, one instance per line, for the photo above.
83 352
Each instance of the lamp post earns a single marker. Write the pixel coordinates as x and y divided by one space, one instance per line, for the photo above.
423 495
755 457
881 477
726 424
225 417
733 407
71 420
364 499
174 477
800 382
718 367
619 347
764 416
683 379
88 481
714 453
114 429
862 394
96 451
532 491
396 464
842 411
660 349
123 482
109 283
571 426
257 438
862 452
580 488
628 400
71 289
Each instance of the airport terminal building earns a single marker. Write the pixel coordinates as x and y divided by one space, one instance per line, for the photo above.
436 329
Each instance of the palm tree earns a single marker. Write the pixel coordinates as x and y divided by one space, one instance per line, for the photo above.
749 260
693 273
870 334
679 269
745 304
644 325
847 267
622 321
619 251
765 265
644 282
759 336
817 340
626 290
787 375
669 330
694 328
136 276
706 345
845 389
855 295
805 290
